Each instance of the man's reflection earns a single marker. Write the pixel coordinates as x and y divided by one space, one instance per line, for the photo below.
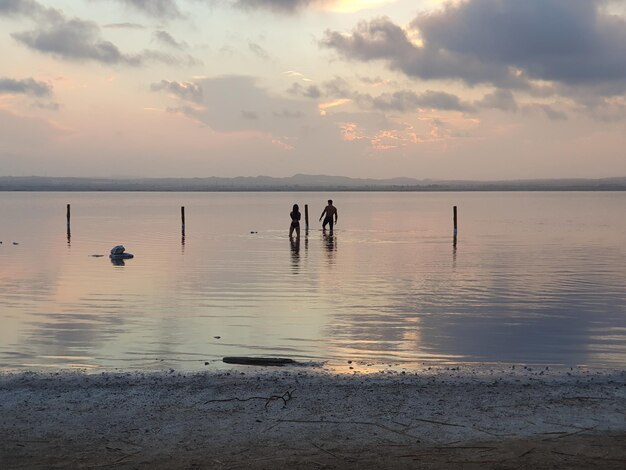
330 243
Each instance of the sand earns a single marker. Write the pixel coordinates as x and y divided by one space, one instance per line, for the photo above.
303 417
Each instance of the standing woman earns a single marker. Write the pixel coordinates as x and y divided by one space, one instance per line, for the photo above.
295 221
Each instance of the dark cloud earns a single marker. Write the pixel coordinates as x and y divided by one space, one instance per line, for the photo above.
18 7
402 100
258 51
338 87
407 101
278 6
499 99
311 91
26 86
380 39
75 40
186 90
376 81
164 9
335 88
28 8
502 43
81 40
166 38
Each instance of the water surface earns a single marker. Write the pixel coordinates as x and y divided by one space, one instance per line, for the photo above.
533 278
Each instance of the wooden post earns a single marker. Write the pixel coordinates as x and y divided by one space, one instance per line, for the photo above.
306 216
69 232
182 219
455 221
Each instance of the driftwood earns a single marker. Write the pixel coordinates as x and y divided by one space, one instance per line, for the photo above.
259 361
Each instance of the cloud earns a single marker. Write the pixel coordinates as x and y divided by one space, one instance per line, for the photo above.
27 86
18 7
286 114
258 51
338 87
278 6
166 38
124 26
186 90
499 99
505 43
74 40
402 100
551 113
236 103
291 7
407 100
80 40
311 91
164 9
28 8
249 115
334 88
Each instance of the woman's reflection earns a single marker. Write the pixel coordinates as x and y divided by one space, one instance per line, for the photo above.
295 254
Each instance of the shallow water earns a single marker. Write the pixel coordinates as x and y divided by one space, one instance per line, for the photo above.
533 278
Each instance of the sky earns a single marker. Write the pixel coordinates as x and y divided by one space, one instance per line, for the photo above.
463 89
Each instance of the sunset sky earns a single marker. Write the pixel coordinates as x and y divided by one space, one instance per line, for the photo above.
470 89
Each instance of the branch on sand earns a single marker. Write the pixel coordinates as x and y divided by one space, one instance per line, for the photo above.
285 397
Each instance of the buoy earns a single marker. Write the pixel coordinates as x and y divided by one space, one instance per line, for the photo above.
118 252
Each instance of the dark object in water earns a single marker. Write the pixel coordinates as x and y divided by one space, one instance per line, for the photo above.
118 252
259 361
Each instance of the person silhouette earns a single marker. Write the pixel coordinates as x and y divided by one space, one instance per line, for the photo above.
330 215
295 221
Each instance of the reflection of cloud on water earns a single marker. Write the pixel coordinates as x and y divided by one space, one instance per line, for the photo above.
525 306
70 334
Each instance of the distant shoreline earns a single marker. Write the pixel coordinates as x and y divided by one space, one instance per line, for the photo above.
339 190
301 183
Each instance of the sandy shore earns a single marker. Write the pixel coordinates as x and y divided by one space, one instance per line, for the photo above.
465 417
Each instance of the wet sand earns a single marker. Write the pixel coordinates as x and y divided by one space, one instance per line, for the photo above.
454 417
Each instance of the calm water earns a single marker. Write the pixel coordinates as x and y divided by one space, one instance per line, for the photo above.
534 278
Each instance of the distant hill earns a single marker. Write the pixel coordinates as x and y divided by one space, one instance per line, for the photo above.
301 183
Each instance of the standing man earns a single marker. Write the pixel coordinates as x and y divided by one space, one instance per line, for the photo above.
330 212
